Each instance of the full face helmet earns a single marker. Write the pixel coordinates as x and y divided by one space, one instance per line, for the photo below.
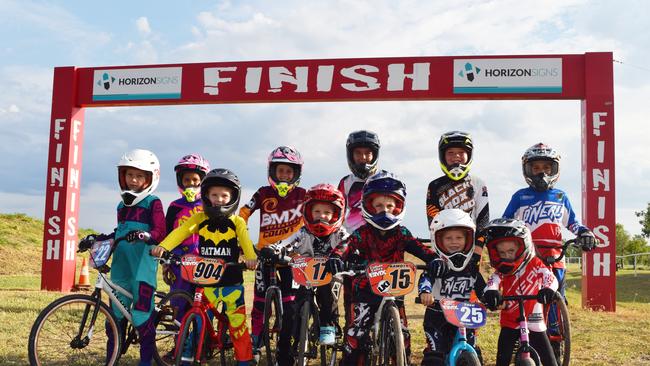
323 193
220 178
455 139
289 156
383 183
143 160
453 219
194 163
541 152
500 230
363 138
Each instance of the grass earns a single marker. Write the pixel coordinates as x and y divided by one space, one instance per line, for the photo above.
598 338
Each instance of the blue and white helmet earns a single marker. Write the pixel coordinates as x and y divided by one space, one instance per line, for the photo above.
383 183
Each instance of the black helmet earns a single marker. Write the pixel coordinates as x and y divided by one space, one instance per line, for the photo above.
363 138
220 178
455 139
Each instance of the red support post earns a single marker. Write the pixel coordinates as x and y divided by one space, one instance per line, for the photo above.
62 185
598 188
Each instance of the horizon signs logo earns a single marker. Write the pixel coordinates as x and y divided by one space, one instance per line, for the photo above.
469 71
507 76
106 81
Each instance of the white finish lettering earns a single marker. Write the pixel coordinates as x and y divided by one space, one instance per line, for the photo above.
76 128
55 201
280 74
351 73
601 208
54 229
74 178
600 177
73 201
600 232
324 78
57 155
56 176
419 77
253 77
72 226
75 154
58 127
211 79
596 122
601 264
52 249
70 247
601 151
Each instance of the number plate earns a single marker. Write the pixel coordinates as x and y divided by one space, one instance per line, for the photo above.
100 252
200 270
391 279
310 271
464 314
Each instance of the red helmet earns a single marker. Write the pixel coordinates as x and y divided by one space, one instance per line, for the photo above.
323 193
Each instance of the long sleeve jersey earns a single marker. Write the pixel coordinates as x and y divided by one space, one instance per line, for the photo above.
528 280
454 285
468 194
221 239
352 186
545 213
280 217
178 212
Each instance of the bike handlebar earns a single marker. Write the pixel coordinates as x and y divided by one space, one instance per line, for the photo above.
551 259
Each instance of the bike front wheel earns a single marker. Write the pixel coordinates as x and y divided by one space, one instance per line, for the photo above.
169 313
73 330
272 325
560 334
391 346
188 341
532 360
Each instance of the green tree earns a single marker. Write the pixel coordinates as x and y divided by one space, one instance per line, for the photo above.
627 244
644 216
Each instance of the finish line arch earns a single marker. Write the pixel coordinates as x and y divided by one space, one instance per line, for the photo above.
586 77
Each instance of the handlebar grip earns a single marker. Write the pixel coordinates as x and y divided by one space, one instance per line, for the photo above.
417 300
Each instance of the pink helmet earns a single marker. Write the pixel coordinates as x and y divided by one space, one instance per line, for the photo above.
190 163
289 156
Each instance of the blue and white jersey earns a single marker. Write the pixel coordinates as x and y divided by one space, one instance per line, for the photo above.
545 213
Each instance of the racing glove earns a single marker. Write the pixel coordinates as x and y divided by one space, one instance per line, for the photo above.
586 240
86 243
438 268
545 295
492 299
334 265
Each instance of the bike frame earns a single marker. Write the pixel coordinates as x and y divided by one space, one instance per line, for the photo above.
524 339
459 345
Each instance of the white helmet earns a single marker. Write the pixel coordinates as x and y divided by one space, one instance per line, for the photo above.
453 219
143 160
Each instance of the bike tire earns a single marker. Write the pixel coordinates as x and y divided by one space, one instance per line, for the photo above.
391 346
272 325
303 336
56 327
169 313
533 360
190 325
468 359
561 343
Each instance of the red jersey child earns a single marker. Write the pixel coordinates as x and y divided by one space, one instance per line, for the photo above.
518 272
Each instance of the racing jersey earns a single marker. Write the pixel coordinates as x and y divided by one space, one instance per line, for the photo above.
464 285
307 244
178 212
223 239
545 213
468 194
528 280
279 217
352 188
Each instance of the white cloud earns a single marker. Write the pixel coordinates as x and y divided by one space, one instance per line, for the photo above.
142 23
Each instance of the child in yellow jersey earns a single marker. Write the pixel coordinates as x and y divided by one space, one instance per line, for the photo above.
221 235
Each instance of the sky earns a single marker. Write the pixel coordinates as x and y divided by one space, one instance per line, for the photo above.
37 36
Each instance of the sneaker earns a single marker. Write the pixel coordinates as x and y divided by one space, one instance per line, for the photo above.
327 335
